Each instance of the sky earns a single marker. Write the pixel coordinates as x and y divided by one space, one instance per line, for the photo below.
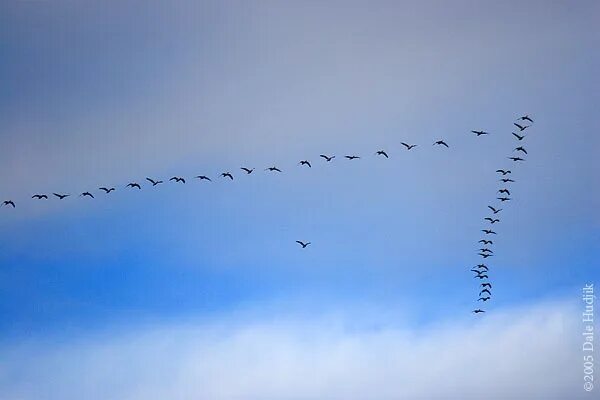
199 291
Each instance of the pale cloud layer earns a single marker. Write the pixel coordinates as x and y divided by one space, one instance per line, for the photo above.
529 353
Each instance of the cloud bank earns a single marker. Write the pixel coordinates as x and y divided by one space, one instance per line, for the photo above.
522 353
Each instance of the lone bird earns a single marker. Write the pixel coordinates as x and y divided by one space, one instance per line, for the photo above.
61 196
504 191
88 194
177 179
483 298
106 190
504 171
204 178
521 148
503 199
441 143
479 133
352 157
486 242
525 118
495 210
382 153
227 175
39 196
303 244
516 159
305 162
479 310
153 182
521 127
134 185
8 203
247 170
505 180
408 146
273 169
519 137
488 232
326 157
492 220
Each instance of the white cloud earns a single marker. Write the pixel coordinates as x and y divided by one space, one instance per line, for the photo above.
520 353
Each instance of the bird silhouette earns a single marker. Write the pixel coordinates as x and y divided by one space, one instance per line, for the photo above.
352 157
482 266
106 190
479 133
521 127
495 210
485 255
503 171
305 162
519 137
408 146
485 250
503 199
482 276
486 284
504 191
273 169
492 220
177 179
486 242
153 182
441 142
525 118
61 196
505 180
134 185
479 310
521 149
204 178
327 158
483 298
227 175
248 170
39 196
88 194
516 159
488 232
303 244
8 203
485 291
382 153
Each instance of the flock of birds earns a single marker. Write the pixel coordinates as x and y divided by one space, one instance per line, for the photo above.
481 270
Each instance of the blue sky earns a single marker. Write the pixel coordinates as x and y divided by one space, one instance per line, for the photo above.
105 94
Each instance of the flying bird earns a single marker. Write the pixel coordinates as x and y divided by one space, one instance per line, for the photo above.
177 179
483 298
503 199
408 146
482 276
521 148
153 182
39 196
485 255
305 162
61 196
106 190
485 250
352 157
273 169
492 220
519 137
382 153
486 284
303 244
479 310
441 142
485 291
504 191
486 242
227 175
327 158
248 170
521 127
204 178
88 194
488 232
525 118
134 185
8 203
483 266
505 180
503 172
516 158
479 133
496 211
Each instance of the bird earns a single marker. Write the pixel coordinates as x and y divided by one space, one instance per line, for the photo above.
482 266
153 182
492 220
516 158
505 180
39 196
488 232
475 270
495 210
521 127
382 153
248 170
61 196
441 142
479 133
88 194
177 179
227 175
352 157
8 203
485 290
327 158
485 250
204 178
134 185
519 137
408 146
503 171
486 242
486 284
520 148
485 255
504 191
305 162
482 276
303 244
483 298
273 169
525 118
107 190
479 310
503 199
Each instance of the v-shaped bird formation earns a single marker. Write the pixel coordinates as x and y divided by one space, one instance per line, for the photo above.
481 270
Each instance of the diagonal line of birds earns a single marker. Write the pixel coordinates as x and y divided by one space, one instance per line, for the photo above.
481 270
